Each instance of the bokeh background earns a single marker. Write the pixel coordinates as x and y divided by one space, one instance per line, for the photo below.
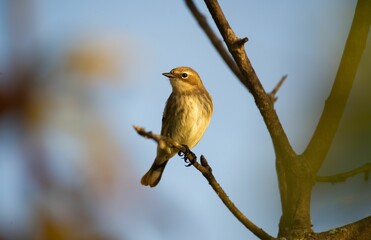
76 75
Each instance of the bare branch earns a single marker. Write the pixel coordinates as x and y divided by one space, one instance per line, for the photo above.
285 155
359 230
206 171
328 124
251 81
217 43
248 77
341 177
158 138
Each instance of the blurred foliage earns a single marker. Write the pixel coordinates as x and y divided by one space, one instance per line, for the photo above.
70 163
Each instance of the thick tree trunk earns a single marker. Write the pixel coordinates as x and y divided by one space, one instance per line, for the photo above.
298 181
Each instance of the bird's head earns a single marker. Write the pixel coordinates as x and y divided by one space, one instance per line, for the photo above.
184 79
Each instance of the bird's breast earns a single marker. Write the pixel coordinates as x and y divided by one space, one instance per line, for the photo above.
193 119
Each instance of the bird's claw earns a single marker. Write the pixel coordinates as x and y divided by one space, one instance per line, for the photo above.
188 156
189 162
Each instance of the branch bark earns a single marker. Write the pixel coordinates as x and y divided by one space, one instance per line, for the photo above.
251 81
206 171
360 230
217 43
244 70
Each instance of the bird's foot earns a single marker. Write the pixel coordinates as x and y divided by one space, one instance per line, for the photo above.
188 156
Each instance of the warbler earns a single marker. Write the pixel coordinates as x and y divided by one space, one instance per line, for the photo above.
185 118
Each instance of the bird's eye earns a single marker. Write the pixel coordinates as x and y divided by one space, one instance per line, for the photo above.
184 75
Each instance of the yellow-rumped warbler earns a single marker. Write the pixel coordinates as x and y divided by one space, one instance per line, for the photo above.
186 116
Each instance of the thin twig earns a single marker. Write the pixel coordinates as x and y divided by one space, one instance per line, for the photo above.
273 93
341 177
206 171
158 138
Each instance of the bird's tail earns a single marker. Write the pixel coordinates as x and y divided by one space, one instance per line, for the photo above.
153 176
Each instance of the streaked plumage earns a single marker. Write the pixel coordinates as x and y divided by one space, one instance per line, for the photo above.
186 116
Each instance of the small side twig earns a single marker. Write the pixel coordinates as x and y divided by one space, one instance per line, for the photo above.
341 177
241 41
273 93
206 171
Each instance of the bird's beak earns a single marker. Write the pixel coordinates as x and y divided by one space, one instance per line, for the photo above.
169 75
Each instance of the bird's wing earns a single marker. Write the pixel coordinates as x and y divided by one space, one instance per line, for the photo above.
168 123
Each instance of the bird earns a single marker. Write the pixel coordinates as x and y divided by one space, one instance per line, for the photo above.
186 116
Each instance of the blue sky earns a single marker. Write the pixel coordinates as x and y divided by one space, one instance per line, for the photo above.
302 39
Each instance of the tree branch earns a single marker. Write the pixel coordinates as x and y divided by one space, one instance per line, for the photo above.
328 124
206 171
160 139
360 230
217 43
285 155
341 177
251 81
